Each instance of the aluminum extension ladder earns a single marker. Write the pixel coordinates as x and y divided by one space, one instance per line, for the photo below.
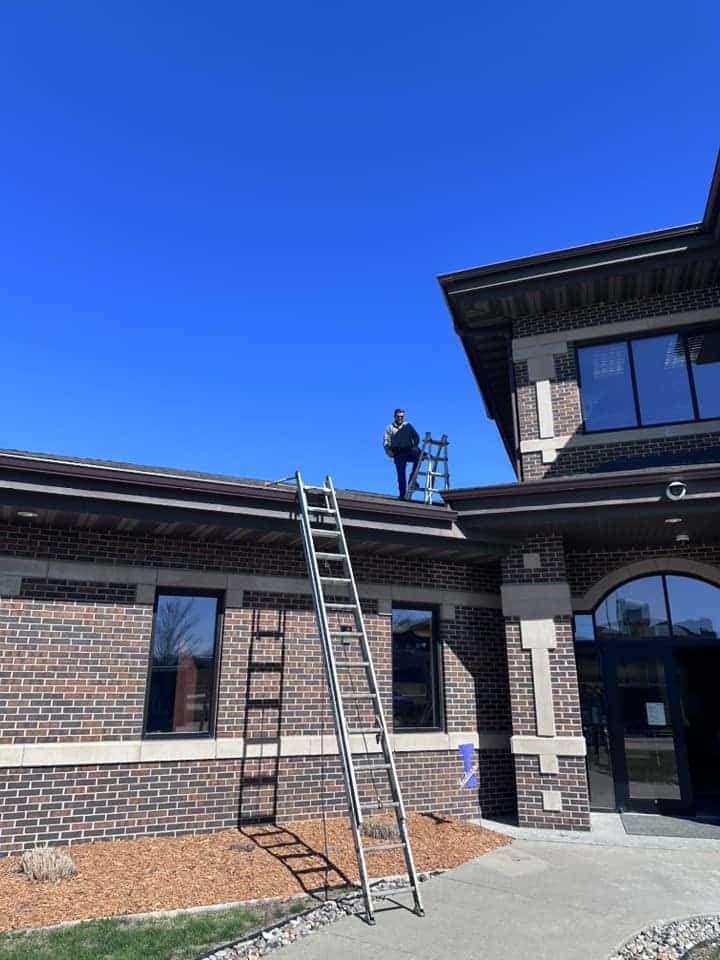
354 693
433 466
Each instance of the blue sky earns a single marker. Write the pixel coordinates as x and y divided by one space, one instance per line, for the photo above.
221 222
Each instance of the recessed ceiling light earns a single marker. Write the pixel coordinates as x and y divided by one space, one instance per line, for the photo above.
28 514
674 520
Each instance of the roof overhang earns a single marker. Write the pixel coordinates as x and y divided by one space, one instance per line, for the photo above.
484 301
599 510
93 495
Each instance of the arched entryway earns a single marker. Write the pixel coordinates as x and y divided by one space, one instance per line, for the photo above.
648 659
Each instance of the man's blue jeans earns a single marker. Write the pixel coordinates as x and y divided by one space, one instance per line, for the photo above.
402 458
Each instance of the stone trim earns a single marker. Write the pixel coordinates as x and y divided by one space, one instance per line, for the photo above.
146 580
548 746
544 344
538 636
549 446
536 601
552 800
101 753
681 565
544 408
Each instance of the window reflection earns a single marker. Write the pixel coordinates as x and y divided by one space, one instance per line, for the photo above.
704 350
662 379
694 608
182 664
593 713
636 609
607 392
415 669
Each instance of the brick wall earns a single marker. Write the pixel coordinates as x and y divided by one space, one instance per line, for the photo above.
73 666
586 567
570 781
654 306
255 559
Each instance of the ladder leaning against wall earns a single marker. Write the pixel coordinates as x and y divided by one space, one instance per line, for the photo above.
366 755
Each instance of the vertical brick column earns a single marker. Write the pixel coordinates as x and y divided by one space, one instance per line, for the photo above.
547 742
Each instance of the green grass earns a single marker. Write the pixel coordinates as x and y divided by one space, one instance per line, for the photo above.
184 937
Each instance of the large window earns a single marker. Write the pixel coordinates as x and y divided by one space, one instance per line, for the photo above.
180 697
416 670
645 381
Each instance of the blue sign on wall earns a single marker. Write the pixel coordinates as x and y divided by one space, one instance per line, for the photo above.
470 776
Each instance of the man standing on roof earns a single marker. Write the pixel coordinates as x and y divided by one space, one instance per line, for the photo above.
401 442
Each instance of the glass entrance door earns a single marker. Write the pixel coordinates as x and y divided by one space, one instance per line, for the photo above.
651 772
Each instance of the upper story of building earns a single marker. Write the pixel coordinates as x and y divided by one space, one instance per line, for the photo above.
602 357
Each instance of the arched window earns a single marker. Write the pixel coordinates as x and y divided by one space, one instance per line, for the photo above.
664 607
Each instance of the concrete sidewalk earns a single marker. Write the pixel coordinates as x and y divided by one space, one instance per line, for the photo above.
531 901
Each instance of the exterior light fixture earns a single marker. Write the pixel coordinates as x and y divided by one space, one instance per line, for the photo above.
682 538
675 490
27 514
674 519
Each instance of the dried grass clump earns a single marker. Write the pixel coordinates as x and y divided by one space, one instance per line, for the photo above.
379 830
46 863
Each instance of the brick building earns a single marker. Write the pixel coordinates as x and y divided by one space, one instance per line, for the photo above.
566 624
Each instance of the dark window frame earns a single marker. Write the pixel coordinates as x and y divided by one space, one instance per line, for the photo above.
437 664
684 334
208 734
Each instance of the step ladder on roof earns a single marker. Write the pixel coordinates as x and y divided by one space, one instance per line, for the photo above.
366 755
430 474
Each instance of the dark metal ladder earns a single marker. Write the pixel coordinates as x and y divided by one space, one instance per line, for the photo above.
352 682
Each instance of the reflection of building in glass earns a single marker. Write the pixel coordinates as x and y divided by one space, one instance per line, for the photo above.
701 627
632 615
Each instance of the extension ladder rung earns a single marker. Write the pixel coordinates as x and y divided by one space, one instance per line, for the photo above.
340 606
348 664
376 848
363 731
327 510
330 556
370 765
349 634
309 489
360 696
381 805
335 580
324 532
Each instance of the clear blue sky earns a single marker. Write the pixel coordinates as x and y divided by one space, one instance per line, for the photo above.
221 222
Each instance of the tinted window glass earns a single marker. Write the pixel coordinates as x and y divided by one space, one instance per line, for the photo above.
182 664
704 350
694 608
593 712
662 379
636 609
584 630
607 393
415 669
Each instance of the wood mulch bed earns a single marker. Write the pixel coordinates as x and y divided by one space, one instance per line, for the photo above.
138 876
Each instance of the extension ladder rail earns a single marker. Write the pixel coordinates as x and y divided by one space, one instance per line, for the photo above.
335 598
433 454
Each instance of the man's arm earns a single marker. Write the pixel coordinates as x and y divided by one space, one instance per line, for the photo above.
415 436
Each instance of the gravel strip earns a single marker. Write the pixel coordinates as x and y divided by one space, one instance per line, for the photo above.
670 941
259 944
